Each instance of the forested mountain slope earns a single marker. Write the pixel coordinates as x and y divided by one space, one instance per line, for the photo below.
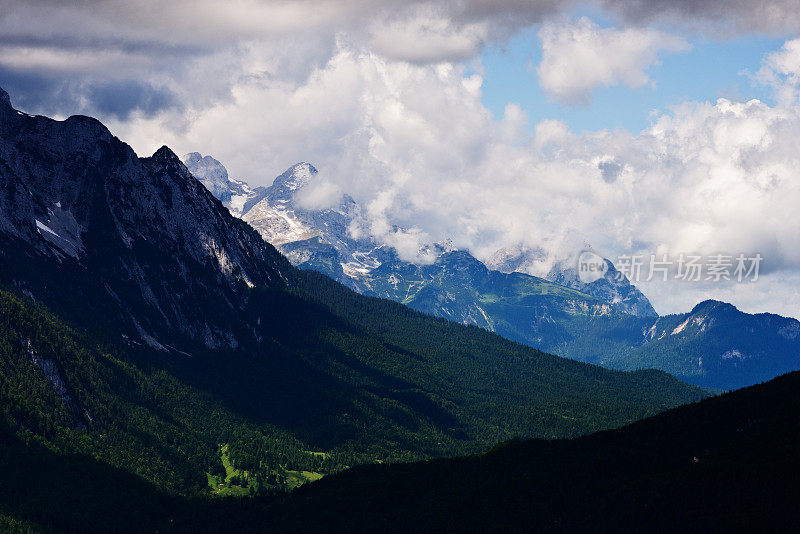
725 463
715 345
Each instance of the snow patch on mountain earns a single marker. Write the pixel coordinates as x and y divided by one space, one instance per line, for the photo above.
734 355
277 224
299 177
41 226
240 194
62 230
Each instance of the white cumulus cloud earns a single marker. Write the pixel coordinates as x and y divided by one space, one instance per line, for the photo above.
579 56
781 69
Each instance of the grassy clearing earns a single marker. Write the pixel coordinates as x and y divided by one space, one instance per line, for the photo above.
239 483
235 482
296 479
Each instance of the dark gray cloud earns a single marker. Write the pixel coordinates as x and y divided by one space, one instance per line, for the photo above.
78 42
49 95
120 99
207 22
37 93
114 58
609 170
52 50
732 16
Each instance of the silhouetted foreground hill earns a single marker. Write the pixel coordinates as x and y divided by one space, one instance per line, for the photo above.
723 464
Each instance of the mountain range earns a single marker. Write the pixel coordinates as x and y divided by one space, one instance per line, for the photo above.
322 239
151 340
607 321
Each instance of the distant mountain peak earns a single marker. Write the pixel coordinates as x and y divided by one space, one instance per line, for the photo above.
193 157
530 294
295 177
280 220
711 304
214 176
205 165
4 97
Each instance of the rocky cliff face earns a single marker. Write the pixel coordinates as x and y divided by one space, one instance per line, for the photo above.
159 244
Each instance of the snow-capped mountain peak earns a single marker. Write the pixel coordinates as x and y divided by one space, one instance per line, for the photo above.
234 194
292 180
304 234
296 177
211 174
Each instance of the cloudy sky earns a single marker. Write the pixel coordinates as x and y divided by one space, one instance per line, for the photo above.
662 127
